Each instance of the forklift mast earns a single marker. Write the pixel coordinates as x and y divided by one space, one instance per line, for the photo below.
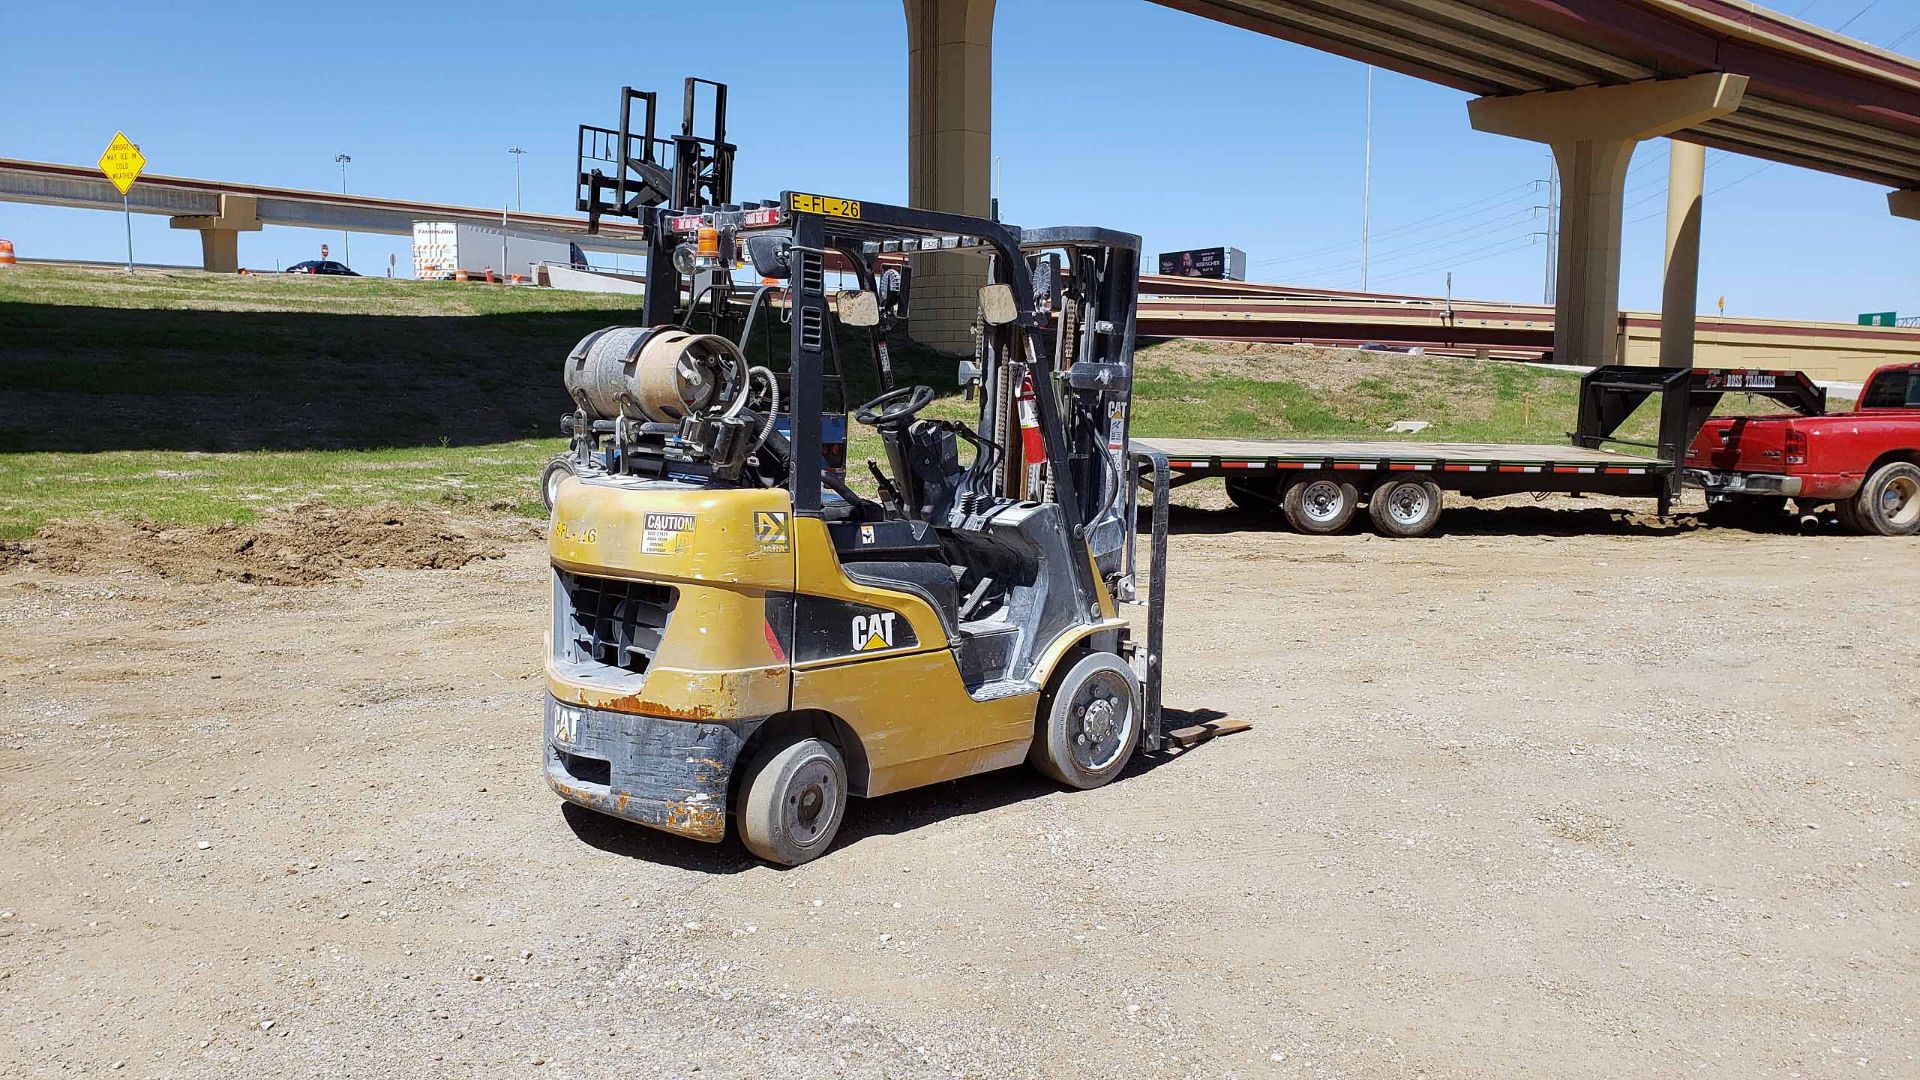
1086 285
624 171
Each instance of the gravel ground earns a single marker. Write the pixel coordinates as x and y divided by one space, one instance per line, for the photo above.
1640 802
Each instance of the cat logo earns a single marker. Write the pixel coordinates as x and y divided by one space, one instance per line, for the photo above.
770 530
872 632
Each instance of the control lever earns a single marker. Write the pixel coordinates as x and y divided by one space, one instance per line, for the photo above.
889 494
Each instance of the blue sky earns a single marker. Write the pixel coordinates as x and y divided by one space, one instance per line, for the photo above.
1117 113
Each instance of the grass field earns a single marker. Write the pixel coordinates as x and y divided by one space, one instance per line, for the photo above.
189 398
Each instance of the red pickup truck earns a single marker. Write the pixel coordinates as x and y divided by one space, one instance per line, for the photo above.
1865 462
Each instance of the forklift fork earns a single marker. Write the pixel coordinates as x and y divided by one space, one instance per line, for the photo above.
1150 471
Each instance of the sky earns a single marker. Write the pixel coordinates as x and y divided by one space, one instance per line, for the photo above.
1117 113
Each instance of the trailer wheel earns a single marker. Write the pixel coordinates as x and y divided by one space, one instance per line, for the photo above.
795 797
557 470
1405 508
1089 725
1889 502
1258 494
1321 507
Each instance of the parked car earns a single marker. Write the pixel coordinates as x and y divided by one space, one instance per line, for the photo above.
1865 462
322 266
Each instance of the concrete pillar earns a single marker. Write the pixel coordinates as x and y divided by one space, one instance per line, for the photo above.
220 251
220 233
1593 131
949 154
1680 287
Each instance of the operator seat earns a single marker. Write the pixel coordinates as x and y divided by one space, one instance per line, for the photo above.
934 473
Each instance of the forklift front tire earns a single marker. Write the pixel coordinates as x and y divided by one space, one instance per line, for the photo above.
557 470
794 799
1090 724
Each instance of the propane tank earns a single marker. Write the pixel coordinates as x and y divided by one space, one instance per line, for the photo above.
662 374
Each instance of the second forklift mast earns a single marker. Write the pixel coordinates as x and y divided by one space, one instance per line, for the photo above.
626 170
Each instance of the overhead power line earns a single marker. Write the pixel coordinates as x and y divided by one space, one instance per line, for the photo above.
1449 264
1452 239
1463 210
1741 179
1871 4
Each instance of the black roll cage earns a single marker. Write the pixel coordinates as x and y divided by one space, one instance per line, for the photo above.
848 227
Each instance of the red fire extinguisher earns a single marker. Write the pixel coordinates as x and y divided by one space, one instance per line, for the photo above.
1032 446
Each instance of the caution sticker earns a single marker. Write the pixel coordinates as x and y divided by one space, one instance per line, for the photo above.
770 530
667 534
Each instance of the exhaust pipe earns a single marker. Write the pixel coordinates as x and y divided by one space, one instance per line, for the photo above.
1810 523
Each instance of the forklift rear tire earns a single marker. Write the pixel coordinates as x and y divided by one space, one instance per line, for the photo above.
1321 507
794 797
557 470
1089 725
1405 508
1889 502
1260 495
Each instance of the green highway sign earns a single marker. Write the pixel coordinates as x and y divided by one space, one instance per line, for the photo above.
1879 318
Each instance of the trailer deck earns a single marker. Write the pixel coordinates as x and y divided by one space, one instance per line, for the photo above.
1319 484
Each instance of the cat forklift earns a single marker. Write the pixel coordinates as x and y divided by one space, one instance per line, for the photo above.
739 635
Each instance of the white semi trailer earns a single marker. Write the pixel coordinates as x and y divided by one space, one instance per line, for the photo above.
443 248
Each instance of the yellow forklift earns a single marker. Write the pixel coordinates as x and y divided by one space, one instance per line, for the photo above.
739 635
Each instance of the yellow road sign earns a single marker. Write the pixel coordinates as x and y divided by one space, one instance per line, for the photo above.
122 162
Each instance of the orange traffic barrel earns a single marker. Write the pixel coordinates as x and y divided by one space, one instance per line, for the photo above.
6 254
459 275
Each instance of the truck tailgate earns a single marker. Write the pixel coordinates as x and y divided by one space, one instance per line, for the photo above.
1742 444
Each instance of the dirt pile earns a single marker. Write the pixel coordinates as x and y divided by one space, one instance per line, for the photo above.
306 545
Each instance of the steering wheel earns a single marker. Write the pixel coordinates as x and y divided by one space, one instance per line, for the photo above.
895 407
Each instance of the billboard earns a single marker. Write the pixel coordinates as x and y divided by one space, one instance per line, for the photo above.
1224 263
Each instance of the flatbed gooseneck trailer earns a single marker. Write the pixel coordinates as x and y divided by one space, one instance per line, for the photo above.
1320 485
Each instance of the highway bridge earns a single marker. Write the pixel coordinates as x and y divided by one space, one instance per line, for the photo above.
1589 78
221 210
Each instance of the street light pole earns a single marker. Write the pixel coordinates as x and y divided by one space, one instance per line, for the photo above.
1366 184
346 238
516 152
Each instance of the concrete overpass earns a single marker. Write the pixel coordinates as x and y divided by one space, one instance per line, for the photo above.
1590 78
221 211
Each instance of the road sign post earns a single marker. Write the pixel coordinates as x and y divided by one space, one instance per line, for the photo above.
121 164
